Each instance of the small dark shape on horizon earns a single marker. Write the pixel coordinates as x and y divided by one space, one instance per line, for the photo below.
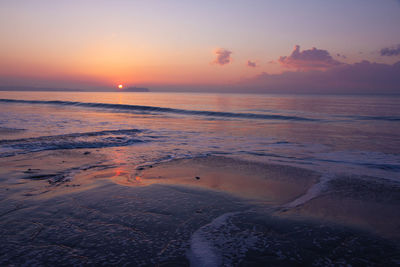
197 178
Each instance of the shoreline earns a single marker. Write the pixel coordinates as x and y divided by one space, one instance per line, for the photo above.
67 206
293 190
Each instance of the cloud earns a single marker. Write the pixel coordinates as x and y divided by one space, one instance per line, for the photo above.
223 56
251 64
311 59
359 78
391 51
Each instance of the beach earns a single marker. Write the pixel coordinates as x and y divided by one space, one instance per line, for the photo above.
199 133
95 183
205 211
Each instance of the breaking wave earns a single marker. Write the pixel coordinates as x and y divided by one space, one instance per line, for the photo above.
100 139
139 108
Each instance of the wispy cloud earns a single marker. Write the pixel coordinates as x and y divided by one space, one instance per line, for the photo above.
251 64
391 51
223 56
311 59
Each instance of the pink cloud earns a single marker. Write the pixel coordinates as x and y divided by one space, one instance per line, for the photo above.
311 59
223 56
251 64
359 78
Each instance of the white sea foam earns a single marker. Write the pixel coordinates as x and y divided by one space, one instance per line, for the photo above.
202 252
220 242
312 192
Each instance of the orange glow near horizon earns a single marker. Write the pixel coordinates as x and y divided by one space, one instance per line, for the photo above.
108 63
120 86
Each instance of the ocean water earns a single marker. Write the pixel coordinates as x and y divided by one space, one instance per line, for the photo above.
350 134
346 134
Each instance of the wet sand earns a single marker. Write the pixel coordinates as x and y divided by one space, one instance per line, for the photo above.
272 184
80 208
367 202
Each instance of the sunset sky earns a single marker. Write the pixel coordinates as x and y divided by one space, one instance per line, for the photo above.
264 45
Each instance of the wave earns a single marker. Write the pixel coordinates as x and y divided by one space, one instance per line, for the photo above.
139 108
100 139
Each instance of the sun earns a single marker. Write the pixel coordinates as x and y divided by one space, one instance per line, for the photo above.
120 86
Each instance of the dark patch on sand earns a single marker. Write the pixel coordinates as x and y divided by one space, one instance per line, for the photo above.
41 176
53 179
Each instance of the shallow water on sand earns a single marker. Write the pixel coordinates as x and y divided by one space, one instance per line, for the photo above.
200 179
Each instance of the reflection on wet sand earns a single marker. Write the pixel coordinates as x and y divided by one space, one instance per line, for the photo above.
363 202
272 184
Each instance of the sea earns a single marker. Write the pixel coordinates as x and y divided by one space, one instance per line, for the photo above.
327 133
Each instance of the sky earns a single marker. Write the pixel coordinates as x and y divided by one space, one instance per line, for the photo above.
220 45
